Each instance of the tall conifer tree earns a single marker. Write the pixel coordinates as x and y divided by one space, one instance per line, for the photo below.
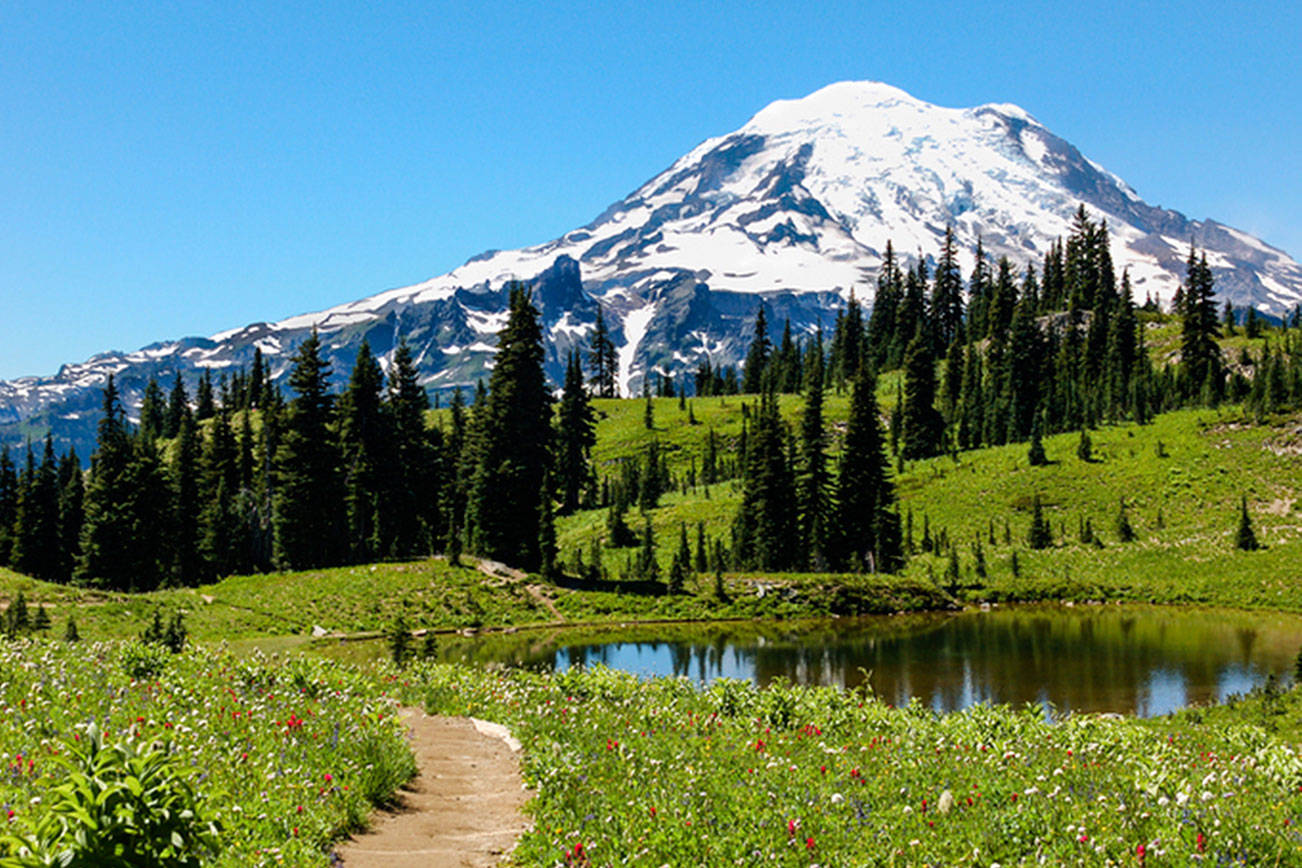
307 520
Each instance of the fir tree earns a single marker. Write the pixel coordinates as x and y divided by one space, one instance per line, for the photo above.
813 485
364 441
920 423
108 539
757 357
70 633
867 517
307 520
178 407
426 490
603 361
153 411
1200 360
71 513
1245 539
575 437
1125 532
947 295
648 569
765 525
186 568
36 549
205 403
513 451
1039 536
8 505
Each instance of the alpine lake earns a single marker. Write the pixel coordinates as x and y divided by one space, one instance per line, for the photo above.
1124 659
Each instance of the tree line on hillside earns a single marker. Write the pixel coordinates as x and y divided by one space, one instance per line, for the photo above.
242 478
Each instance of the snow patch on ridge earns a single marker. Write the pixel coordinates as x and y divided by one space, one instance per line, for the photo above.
635 326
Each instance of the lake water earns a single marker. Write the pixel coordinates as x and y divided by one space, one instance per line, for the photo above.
1143 660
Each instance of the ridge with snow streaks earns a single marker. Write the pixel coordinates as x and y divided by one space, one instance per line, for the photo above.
795 207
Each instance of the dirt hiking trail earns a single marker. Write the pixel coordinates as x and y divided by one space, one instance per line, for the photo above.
461 809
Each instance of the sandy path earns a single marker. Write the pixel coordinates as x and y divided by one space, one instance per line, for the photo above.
462 808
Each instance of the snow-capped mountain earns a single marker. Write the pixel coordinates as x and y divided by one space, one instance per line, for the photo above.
795 208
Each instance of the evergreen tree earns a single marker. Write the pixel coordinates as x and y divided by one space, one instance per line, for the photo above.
187 564
921 424
364 441
1245 539
575 437
757 357
602 359
867 517
8 505
765 524
107 535
947 295
71 513
514 444
1035 455
307 520
1200 359
178 407
1039 536
153 411
426 477
648 568
883 321
205 403
1125 532
36 549
813 485
546 532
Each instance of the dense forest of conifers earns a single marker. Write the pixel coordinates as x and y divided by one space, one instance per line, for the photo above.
241 478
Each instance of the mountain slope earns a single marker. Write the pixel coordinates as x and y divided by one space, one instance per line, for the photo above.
796 207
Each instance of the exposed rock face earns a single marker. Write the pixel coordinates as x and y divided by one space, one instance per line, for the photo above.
794 208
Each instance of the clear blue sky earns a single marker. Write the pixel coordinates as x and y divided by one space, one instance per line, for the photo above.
178 169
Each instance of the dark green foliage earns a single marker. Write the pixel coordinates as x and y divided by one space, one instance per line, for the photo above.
126 507
187 564
946 311
41 620
813 482
618 533
307 503
17 620
178 408
1245 539
868 522
921 424
1039 536
1084 446
603 360
575 437
365 441
399 638
1035 455
756 364
1201 369
546 533
205 403
764 530
1125 533
36 539
70 633
648 568
424 479
513 444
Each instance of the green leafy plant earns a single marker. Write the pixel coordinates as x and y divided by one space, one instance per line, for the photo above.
121 804
143 660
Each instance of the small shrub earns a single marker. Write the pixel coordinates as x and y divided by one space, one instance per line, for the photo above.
143 660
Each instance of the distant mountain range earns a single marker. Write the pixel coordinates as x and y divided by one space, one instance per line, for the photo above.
795 208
